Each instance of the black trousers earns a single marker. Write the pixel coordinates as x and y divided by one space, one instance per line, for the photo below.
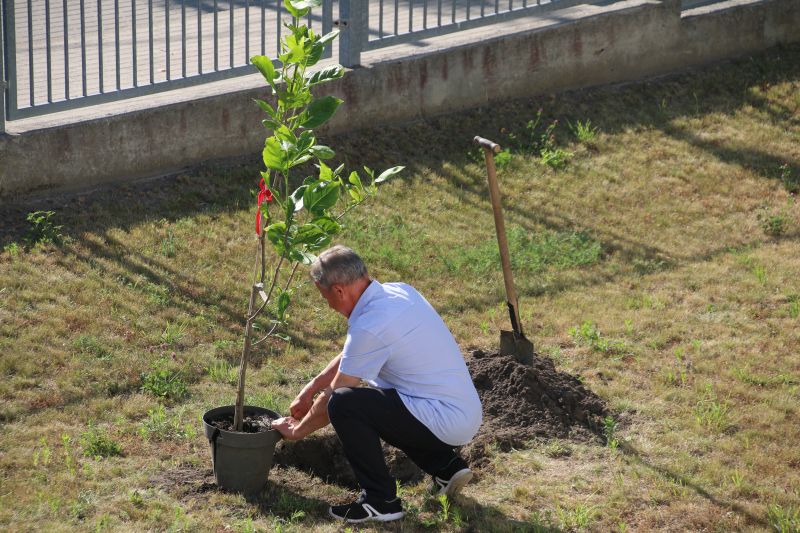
364 416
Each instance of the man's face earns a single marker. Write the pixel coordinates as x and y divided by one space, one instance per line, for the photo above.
335 296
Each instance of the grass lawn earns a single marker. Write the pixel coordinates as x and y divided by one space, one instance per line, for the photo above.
657 256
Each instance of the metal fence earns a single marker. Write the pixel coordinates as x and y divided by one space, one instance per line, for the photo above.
62 54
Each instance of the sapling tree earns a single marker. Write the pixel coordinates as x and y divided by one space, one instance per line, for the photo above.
301 199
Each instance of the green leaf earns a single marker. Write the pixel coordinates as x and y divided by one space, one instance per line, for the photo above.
328 225
266 107
325 172
308 258
322 152
266 67
283 303
388 173
270 124
297 197
274 156
282 336
312 236
276 234
305 4
305 141
326 74
321 196
294 11
328 38
355 180
319 111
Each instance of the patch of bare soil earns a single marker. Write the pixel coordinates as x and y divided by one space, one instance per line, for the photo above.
520 403
185 480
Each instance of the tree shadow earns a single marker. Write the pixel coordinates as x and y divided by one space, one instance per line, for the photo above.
675 477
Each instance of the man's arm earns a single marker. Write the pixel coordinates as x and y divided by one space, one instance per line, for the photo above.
317 416
305 399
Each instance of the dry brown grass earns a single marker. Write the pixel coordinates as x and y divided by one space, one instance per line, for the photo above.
699 301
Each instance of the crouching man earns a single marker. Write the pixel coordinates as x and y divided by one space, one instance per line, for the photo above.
420 398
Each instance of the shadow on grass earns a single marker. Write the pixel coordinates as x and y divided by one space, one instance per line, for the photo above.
676 477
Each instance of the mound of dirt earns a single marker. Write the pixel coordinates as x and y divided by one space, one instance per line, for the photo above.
520 403
250 424
523 402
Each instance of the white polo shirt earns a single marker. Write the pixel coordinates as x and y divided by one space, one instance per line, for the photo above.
396 339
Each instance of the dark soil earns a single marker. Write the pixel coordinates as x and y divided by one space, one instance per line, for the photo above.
520 403
250 424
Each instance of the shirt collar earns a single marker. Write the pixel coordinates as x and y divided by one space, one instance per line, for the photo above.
369 294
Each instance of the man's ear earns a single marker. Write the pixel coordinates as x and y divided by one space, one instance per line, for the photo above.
338 290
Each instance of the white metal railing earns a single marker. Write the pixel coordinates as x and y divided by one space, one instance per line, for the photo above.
63 54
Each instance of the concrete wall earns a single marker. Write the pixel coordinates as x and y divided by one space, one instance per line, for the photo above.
577 47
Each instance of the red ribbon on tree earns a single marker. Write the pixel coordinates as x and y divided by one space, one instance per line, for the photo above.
263 194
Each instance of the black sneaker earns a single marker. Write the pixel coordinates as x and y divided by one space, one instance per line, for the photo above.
365 508
452 479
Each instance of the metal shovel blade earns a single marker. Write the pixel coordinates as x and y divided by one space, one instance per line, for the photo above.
515 344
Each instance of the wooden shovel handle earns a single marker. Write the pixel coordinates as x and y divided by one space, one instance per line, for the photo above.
489 149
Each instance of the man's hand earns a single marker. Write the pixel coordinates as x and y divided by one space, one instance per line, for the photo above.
288 428
301 405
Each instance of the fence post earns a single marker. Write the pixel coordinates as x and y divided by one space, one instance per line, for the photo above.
354 27
8 62
3 84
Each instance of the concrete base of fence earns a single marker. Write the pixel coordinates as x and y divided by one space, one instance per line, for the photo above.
576 47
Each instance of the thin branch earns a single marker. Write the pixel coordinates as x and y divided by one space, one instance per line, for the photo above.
272 286
265 337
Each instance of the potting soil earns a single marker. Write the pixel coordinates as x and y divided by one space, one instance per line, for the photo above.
250 424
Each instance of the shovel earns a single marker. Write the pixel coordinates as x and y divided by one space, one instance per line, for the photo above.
511 342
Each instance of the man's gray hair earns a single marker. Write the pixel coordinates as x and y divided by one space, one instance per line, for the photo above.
338 265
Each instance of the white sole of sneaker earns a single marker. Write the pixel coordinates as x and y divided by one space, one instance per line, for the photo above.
388 517
457 482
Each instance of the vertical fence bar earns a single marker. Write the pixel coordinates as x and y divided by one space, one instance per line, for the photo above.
425 15
100 42
30 51
133 43
183 38
48 51
439 13
497 6
8 62
66 50
230 33
453 13
116 44
263 27
150 39
166 24
483 7
380 19
199 39
216 38
278 5
410 16
327 21
469 9
83 48
246 31
354 24
396 16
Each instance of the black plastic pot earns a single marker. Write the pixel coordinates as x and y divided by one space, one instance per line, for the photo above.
241 460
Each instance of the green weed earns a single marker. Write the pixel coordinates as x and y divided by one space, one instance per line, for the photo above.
168 244
223 372
789 179
96 443
161 426
164 382
784 520
610 432
712 413
583 131
587 334
12 248
42 229
173 333
89 345
579 517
